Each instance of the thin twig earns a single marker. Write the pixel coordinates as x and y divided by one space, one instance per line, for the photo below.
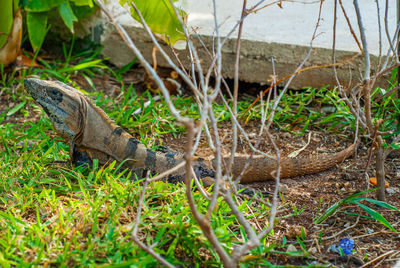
394 51
299 71
152 252
335 235
217 167
168 172
349 24
140 204
378 258
137 222
367 72
236 88
378 14
203 222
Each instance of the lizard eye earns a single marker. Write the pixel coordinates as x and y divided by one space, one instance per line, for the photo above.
55 95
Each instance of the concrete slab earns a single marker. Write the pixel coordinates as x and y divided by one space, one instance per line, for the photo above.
294 23
273 32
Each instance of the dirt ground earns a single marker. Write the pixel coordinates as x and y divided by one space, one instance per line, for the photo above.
317 192
312 193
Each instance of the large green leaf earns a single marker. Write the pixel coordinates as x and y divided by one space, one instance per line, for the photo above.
42 5
67 15
6 20
161 18
37 27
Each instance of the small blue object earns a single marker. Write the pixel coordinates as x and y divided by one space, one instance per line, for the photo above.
346 245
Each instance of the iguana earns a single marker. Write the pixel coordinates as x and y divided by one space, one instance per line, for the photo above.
92 135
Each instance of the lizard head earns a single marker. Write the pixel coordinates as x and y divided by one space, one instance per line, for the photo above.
62 103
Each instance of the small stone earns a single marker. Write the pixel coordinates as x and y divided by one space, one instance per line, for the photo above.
286 135
291 248
392 190
333 249
283 188
312 250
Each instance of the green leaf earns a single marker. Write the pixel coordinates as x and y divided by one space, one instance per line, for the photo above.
40 5
16 6
378 203
85 65
6 20
67 15
161 18
83 2
16 108
83 11
395 146
127 67
377 216
336 206
37 27
297 253
351 198
327 213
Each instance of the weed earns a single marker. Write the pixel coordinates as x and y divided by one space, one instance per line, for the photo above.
356 200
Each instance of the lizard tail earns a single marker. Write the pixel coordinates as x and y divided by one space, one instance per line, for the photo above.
263 169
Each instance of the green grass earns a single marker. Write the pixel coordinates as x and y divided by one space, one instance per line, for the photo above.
56 214
52 213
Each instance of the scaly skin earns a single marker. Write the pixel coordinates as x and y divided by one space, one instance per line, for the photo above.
93 135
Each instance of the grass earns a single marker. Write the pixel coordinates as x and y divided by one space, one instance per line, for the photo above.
52 213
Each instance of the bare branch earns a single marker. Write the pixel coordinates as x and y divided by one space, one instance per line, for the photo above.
203 222
192 49
218 161
168 172
236 87
152 252
349 24
140 204
364 42
394 51
135 228
378 14
342 93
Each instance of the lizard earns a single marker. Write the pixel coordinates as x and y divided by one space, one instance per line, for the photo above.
93 135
